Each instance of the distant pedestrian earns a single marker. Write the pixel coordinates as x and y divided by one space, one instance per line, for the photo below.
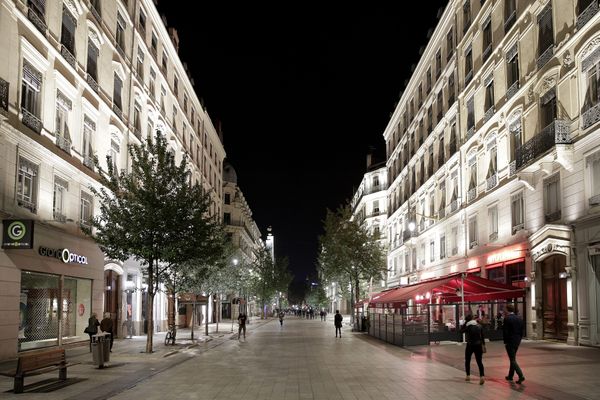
337 321
321 313
475 344
512 332
106 325
92 327
242 324
281 315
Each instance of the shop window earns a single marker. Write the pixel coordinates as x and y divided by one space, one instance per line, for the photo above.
38 310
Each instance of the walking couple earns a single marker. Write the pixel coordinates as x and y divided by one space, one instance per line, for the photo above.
512 334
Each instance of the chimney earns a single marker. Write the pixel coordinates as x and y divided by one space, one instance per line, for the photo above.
370 157
174 38
220 130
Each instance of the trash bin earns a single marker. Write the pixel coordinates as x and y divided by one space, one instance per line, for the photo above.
100 349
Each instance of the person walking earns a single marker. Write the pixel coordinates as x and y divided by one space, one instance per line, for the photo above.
512 333
337 321
242 324
106 325
92 327
281 315
475 345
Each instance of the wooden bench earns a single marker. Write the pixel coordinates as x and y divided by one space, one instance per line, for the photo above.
37 363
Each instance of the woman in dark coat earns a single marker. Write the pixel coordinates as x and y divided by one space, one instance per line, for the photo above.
92 327
475 341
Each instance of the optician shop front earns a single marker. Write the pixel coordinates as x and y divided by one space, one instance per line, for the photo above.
51 281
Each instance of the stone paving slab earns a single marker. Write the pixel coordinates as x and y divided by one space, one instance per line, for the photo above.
304 360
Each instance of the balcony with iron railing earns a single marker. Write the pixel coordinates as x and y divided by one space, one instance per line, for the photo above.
486 52
408 234
92 82
452 207
88 161
512 90
4 86
510 21
470 133
491 181
488 114
555 133
587 14
552 216
493 236
117 110
517 227
512 168
68 55
473 243
545 57
442 212
31 121
594 200
468 77
63 143
37 20
590 116
471 194
58 216
28 204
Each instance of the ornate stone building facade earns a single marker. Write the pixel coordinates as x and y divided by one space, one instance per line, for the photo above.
81 78
492 158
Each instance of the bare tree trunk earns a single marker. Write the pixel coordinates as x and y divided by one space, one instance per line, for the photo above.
355 309
149 313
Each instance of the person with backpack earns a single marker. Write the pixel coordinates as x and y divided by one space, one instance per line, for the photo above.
475 345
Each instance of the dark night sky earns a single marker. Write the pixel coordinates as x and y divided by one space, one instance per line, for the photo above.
302 92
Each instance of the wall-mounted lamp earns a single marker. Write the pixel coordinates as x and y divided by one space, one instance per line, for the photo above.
563 275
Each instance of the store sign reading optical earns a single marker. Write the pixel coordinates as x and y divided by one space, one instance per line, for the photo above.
63 255
17 234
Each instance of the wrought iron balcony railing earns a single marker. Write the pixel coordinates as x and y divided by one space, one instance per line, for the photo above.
512 90
492 181
512 168
510 21
587 14
468 77
591 116
88 161
471 194
453 206
470 133
442 212
545 56
67 55
37 21
63 143
517 227
594 200
488 114
555 133
92 82
493 236
58 216
117 110
30 205
473 243
553 216
31 121
486 52
454 251
4 86
407 234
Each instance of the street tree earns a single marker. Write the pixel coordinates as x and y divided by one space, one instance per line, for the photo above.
316 296
268 277
153 214
349 254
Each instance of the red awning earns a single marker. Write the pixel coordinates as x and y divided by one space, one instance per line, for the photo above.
448 289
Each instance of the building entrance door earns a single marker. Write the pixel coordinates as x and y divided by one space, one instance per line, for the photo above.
112 297
554 298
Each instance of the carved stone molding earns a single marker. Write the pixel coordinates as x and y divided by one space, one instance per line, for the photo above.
568 61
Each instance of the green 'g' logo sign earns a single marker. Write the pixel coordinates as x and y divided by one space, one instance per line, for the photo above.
17 230
17 234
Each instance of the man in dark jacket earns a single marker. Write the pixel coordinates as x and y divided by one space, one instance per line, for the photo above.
106 325
512 332
475 343
337 321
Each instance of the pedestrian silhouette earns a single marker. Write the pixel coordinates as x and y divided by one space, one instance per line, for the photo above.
337 321
512 333
475 344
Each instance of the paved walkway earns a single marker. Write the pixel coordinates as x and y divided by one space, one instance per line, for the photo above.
304 360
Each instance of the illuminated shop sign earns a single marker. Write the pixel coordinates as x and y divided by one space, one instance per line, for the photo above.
505 255
17 234
64 255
